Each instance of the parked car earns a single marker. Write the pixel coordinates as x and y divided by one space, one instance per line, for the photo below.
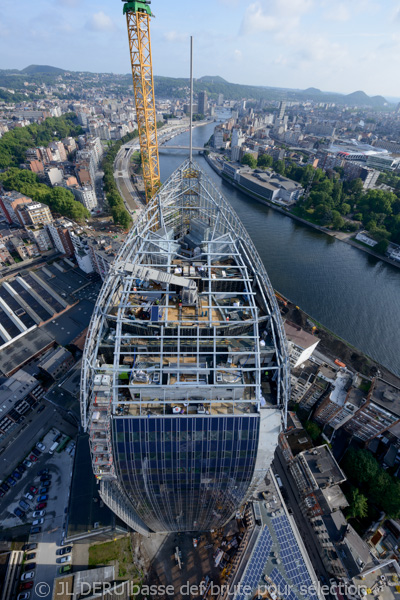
43 490
27 585
46 477
36 452
33 490
31 555
37 521
64 569
39 410
65 550
19 513
43 472
24 505
17 475
21 468
41 505
41 446
11 481
29 566
27 576
27 463
35 530
4 486
24 596
64 559
33 458
2 493
32 546
42 498
28 496
38 513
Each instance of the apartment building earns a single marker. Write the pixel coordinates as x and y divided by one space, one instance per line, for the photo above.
379 413
318 477
59 234
35 213
301 344
9 203
5 256
40 237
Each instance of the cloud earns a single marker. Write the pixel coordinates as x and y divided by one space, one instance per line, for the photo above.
238 55
274 16
339 13
100 22
255 20
175 36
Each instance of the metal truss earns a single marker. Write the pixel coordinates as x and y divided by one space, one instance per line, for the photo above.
214 336
143 84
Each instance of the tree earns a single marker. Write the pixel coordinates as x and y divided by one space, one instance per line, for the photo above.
345 208
381 247
360 465
313 430
358 505
337 220
264 160
59 199
250 160
279 167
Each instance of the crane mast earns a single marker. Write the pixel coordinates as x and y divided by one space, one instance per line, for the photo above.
138 14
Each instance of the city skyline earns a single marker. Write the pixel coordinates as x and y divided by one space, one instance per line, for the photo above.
255 43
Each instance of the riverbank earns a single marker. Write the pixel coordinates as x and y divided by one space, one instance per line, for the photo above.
339 235
333 347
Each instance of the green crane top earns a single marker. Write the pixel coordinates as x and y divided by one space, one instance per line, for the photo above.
138 6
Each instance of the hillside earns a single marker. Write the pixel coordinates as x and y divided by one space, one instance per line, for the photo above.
169 87
46 69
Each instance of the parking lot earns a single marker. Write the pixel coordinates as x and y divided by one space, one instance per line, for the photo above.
41 495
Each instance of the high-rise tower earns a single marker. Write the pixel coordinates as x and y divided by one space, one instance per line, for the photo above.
185 371
202 107
281 110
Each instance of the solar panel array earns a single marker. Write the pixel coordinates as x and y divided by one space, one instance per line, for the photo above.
256 563
283 588
291 556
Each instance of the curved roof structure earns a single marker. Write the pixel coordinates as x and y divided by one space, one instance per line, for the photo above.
185 374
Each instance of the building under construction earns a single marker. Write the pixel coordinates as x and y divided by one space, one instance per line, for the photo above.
185 372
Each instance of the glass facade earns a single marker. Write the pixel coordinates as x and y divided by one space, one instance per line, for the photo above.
184 473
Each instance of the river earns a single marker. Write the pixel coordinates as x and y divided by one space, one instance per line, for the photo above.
350 292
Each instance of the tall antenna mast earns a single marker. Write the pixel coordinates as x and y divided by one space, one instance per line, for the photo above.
191 101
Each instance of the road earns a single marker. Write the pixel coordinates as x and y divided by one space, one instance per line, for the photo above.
294 501
28 264
121 167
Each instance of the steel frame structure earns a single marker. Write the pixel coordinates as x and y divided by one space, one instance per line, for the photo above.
226 345
138 24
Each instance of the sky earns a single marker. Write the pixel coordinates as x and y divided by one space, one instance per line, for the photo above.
340 46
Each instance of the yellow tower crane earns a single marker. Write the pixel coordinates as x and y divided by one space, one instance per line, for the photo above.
138 14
